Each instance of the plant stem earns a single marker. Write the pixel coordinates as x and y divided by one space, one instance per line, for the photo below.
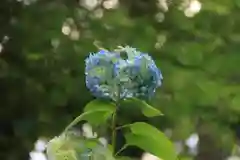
114 118
119 151
114 121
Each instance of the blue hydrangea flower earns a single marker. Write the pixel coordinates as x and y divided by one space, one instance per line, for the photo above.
99 73
110 76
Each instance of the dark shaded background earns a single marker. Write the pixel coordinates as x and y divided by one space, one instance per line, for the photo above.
42 84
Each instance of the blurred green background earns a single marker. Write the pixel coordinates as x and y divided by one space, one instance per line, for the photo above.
196 44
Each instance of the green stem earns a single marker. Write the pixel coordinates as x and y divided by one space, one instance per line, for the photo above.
114 121
123 126
124 147
114 133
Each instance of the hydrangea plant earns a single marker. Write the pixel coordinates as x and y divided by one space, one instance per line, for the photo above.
124 74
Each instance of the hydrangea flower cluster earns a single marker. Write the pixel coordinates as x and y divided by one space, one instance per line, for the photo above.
109 75
69 146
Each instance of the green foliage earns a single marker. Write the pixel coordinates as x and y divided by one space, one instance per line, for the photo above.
145 108
142 134
151 140
100 104
96 113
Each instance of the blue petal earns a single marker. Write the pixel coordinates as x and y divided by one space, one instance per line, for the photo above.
138 76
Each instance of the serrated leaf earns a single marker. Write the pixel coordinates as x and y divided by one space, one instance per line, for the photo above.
151 140
146 109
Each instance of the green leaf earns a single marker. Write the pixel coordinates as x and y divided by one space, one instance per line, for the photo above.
124 158
146 109
151 140
95 117
99 104
96 112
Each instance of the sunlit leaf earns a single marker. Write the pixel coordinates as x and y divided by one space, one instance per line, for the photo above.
151 140
99 104
95 117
